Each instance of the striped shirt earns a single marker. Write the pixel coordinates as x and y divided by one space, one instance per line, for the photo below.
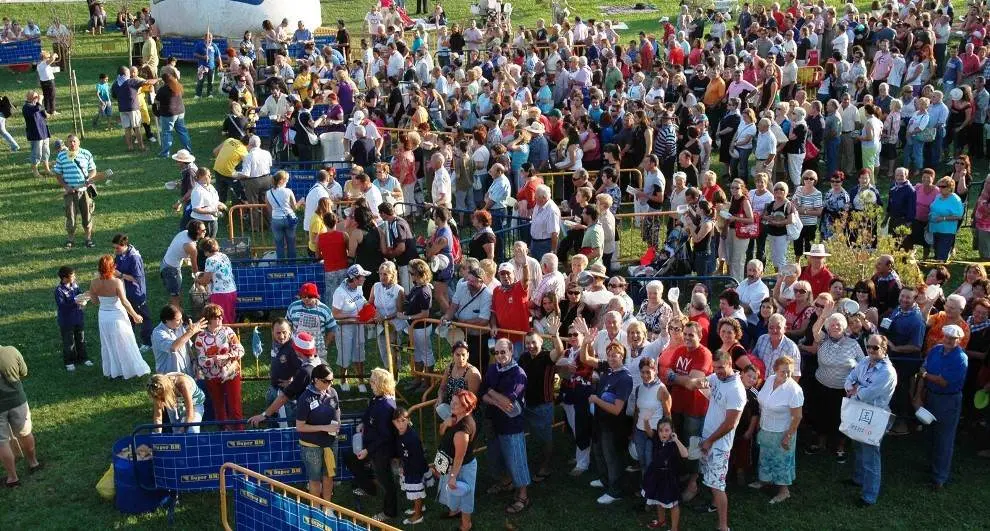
665 142
811 200
765 351
317 320
72 175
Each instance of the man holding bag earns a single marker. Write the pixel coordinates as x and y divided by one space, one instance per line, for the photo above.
873 382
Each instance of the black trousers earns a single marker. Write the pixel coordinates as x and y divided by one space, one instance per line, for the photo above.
375 471
478 352
73 344
48 91
147 326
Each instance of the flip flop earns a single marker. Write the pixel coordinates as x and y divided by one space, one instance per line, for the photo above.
656 524
518 506
14 484
33 469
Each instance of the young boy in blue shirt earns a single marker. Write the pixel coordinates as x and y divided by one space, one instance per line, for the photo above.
70 319
416 475
105 105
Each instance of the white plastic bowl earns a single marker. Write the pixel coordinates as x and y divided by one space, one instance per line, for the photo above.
924 416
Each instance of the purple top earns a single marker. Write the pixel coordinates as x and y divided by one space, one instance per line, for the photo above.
511 382
69 313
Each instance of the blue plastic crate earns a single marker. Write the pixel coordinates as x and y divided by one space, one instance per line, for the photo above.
184 48
20 52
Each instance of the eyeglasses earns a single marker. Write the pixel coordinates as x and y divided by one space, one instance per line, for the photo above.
326 380
675 328
872 347
820 306
800 290
810 179
573 292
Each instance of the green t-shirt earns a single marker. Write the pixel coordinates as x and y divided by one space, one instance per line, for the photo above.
12 369
594 237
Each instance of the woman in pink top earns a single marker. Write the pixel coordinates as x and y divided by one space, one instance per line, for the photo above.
924 194
981 221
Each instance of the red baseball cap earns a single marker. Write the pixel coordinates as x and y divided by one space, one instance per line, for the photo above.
309 289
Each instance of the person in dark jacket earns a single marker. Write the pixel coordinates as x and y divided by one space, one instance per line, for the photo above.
374 461
363 151
504 390
36 130
171 114
305 346
318 422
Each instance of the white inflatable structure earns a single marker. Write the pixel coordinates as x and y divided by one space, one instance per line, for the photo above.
231 18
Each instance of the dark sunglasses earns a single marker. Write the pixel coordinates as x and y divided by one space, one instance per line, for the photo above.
573 292
800 291
573 334
675 328
872 347
326 380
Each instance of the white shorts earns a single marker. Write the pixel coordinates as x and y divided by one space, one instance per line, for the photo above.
130 119
714 467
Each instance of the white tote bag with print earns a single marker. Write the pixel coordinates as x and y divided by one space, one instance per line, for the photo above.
862 422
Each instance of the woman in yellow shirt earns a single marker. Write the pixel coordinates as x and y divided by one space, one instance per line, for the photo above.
145 95
302 81
317 226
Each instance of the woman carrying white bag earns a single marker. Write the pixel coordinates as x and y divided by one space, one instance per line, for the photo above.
870 385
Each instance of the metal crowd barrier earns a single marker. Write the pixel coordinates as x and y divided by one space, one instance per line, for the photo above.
184 48
262 503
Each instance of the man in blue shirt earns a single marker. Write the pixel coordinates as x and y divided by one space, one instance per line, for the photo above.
905 331
944 373
130 269
872 381
75 170
208 55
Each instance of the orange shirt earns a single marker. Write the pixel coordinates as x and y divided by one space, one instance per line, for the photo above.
714 93
934 335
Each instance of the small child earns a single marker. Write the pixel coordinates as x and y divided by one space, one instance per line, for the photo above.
70 319
416 475
741 458
105 105
660 487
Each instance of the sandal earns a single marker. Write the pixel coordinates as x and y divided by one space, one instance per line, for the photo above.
656 524
33 469
13 484
518 506
540 477
499 488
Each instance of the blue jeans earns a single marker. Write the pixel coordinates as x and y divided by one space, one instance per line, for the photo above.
285 414
740 164
933 150
499 222
177 123
208 77
942 433
538 248
831 156
943 242
508 455
914 152
284 232
866 471
644 449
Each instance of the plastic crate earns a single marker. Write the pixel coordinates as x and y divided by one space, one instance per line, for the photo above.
20 52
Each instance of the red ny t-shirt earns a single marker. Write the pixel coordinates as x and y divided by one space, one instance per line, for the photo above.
683 361
511 309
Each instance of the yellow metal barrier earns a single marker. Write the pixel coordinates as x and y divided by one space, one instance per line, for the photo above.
281 488
632 250
251 221
636 180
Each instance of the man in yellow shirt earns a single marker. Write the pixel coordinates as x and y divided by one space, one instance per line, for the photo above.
714 98
149 52
229 155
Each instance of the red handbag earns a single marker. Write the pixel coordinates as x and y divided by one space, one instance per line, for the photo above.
750 230
811 151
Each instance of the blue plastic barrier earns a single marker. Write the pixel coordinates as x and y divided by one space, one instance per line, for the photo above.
296 49
191 461
20 52
184 48
301 181
257 507
263 127
273 284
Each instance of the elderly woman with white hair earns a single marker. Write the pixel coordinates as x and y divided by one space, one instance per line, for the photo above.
774 344
387 297
752 290
655 313
838 355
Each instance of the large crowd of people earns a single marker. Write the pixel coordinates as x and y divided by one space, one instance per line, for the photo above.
731 119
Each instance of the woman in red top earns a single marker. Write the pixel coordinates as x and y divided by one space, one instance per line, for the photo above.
404 163
331 247
526 198
799 311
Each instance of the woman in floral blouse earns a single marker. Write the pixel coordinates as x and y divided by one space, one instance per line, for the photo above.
836 204
218 354
655 313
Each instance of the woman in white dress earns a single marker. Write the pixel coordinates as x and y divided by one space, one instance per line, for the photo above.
118 348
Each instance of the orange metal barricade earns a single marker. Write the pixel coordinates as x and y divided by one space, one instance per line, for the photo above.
339 511
549 178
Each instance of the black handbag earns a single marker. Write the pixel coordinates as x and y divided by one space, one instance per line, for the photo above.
90 188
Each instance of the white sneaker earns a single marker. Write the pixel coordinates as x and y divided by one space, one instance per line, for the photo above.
153 140
88 363
71 367
597 484
410 521
359 492
605 499
195 97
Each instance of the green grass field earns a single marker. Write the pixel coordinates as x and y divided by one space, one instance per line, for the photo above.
78 416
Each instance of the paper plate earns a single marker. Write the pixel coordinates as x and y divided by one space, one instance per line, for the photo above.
982 399
171 185
924 416
461 489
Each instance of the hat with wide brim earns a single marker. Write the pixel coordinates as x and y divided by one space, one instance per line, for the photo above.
818 250
597 270
183 156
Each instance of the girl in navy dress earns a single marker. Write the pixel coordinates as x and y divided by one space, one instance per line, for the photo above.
660 487
416 475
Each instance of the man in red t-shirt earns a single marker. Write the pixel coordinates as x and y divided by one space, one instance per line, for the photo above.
510 307
817 273
691 365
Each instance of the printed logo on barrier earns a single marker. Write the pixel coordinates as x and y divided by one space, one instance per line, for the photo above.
279 472
283 275
196 478
248 300
247 443
254 497
314 523
167 447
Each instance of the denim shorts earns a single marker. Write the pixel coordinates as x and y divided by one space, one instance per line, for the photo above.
539 419
172 277
315 463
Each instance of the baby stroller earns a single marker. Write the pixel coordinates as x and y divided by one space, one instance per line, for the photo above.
670 260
